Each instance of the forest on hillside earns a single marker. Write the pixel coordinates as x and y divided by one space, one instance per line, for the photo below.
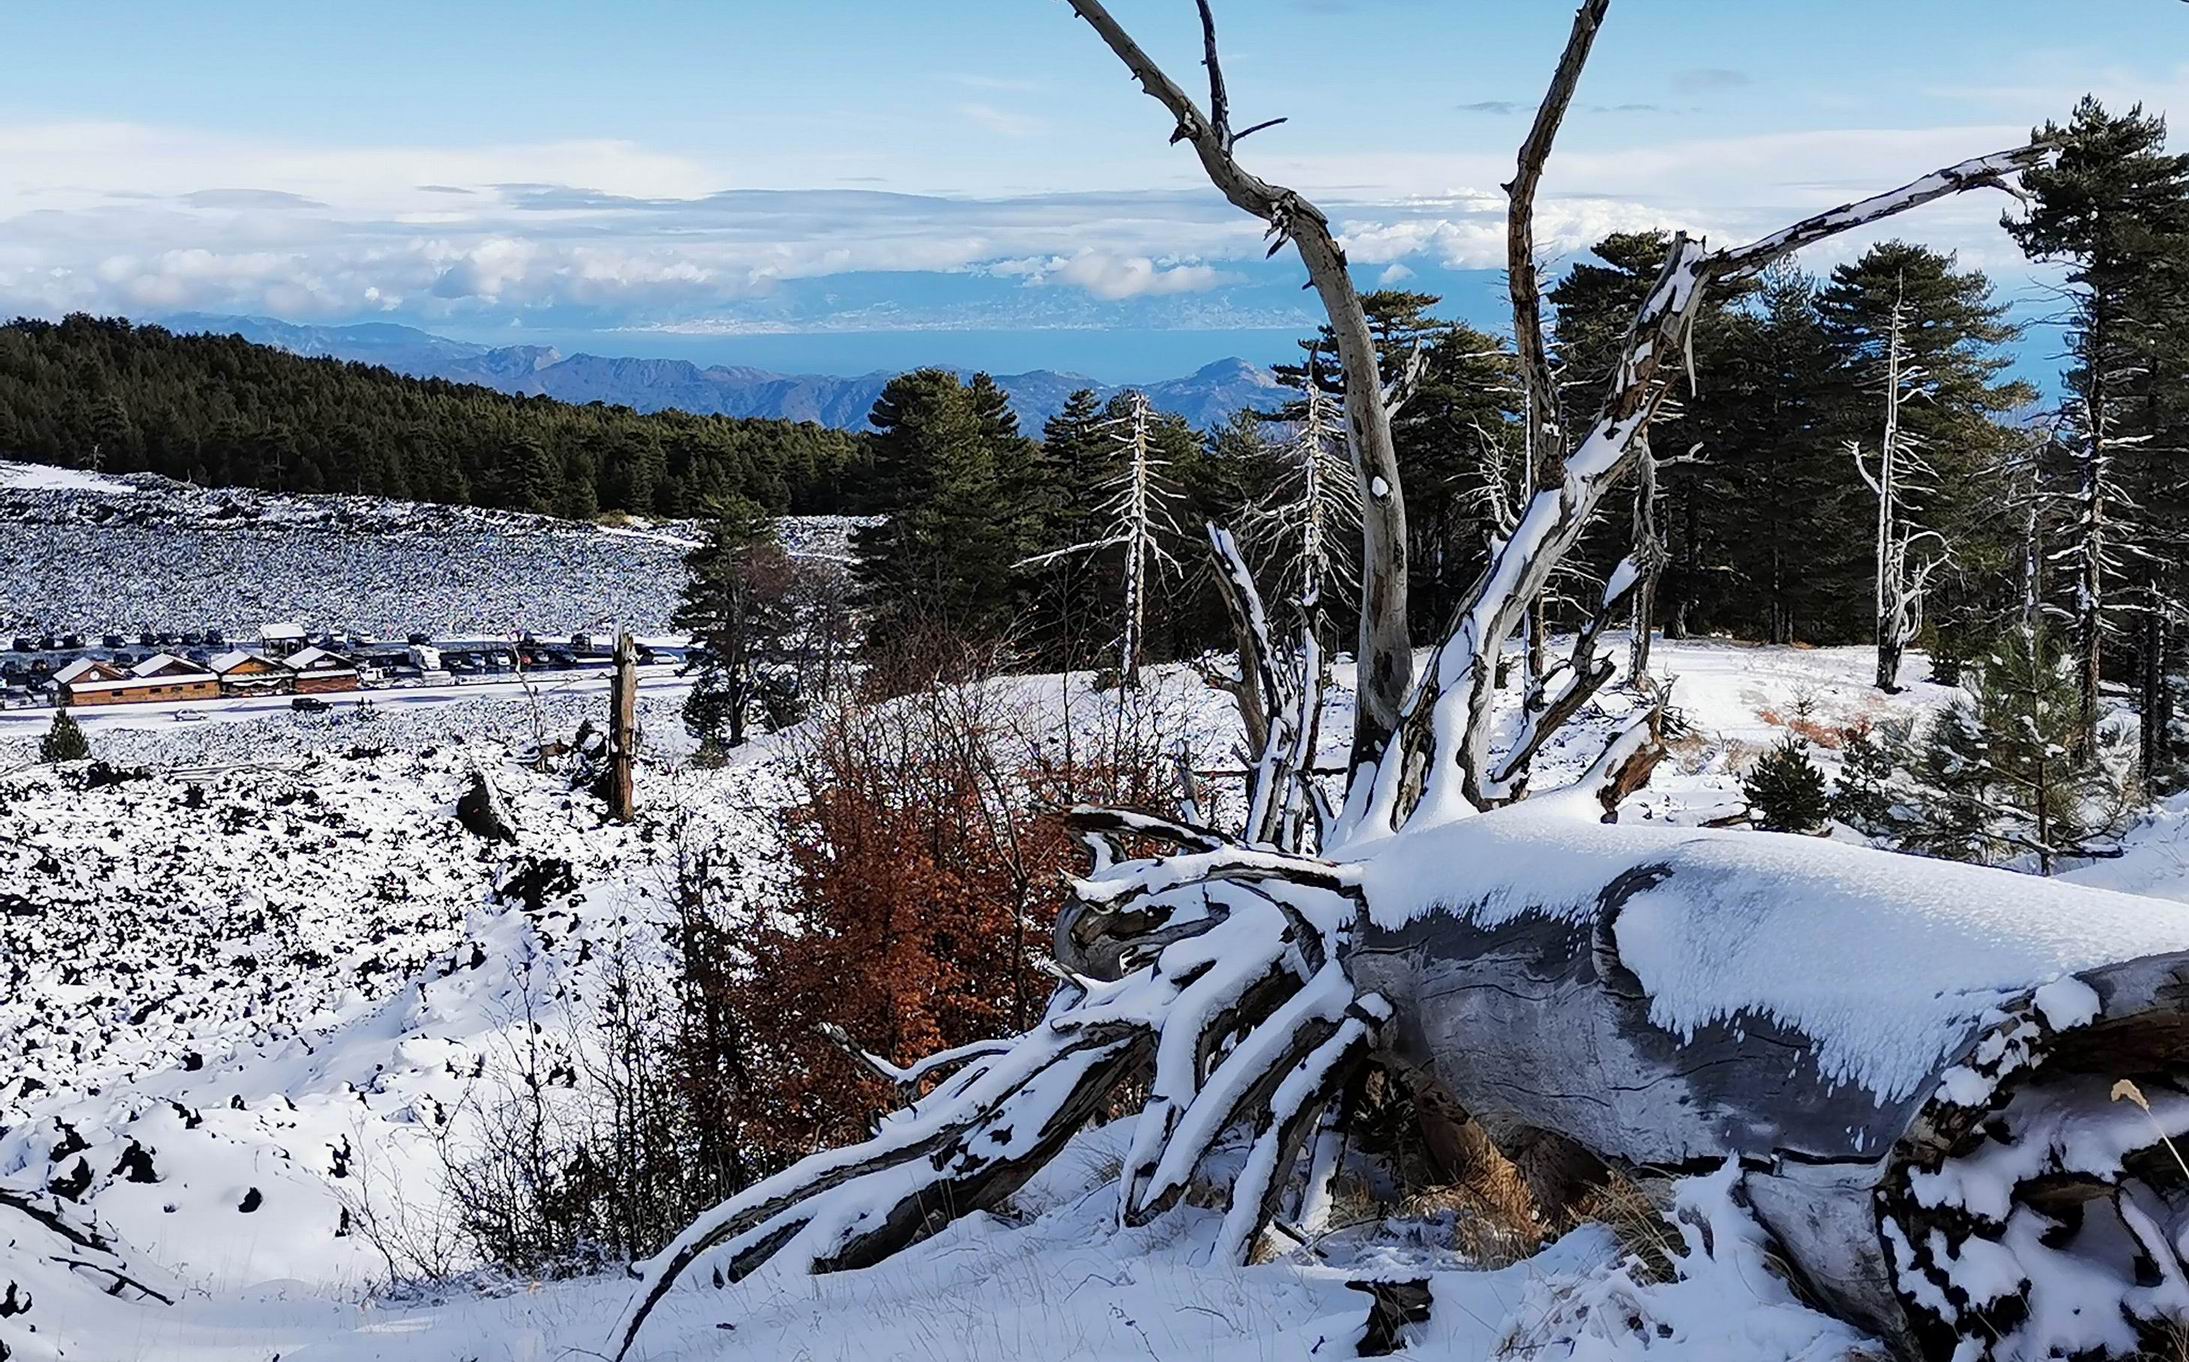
102 393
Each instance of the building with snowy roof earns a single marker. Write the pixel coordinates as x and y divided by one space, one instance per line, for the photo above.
248 673
280 638
162 676
317 670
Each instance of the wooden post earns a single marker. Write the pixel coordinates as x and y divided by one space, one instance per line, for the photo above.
622 727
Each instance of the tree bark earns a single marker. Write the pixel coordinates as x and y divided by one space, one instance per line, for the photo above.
623 728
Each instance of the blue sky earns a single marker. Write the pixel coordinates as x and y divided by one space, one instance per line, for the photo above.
835 185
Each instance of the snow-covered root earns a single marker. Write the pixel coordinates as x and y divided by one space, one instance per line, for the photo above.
2039 1205
1230 992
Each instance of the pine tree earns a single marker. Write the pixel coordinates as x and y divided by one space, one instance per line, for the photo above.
2005 771
1773 468
944 559
1865 796
64 741
1071 596
735 605
1702 500
2114 206
1955 398
1786 790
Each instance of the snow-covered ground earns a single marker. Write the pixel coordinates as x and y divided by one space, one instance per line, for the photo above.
95 553
246 998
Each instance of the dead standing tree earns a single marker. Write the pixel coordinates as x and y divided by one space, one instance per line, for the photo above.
622 728
1900 588
1139 509
1593 995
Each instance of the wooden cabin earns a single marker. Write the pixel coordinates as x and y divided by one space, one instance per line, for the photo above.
318 671
247 673
162 676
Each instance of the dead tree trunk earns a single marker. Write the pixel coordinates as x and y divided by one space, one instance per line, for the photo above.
1900 590
622 728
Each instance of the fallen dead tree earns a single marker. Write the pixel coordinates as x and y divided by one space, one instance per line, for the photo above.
1911 1065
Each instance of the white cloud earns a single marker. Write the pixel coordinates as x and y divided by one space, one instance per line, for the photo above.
143 220
1466 230
1116 277
1002 121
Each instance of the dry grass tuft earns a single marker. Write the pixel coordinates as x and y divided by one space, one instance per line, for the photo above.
1489 1224
1638 1216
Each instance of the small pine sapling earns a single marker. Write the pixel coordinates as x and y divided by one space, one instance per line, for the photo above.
64 741
1863 796
1786 790
2006 771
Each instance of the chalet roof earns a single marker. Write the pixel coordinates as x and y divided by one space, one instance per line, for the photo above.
315 656
166 664
281 629
83 667
234 658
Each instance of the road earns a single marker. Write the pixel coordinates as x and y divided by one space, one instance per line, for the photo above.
237 709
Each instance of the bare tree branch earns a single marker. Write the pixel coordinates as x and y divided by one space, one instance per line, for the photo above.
1539 393
1384 656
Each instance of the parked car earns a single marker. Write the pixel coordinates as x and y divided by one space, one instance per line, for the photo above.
189 716
309 704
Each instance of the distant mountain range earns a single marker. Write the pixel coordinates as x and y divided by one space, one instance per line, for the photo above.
1206 397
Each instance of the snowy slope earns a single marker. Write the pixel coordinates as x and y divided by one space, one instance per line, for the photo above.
141 552
234 1017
